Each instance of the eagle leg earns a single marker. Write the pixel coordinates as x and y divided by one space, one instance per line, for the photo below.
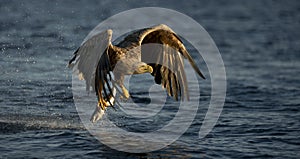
102 104
99 111
125 92
120 82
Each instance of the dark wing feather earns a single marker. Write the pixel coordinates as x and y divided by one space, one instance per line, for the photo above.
92 62
160 47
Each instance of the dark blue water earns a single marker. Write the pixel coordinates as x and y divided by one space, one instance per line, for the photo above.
259 42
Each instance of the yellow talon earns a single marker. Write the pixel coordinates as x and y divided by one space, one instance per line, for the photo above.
125 92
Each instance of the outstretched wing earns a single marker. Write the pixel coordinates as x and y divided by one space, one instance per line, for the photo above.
92 62
164 51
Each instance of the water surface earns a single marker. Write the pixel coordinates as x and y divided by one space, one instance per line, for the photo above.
259 43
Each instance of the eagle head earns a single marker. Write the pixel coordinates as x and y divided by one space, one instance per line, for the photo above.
142 67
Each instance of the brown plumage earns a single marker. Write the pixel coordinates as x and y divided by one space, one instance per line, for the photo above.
156 50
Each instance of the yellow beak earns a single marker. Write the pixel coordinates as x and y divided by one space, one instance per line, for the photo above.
150 69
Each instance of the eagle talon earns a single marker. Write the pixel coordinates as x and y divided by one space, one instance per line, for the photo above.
98 113
123 99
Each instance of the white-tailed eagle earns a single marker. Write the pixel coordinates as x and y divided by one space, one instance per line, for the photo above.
156 50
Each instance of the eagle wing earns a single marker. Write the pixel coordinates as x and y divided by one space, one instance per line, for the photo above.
92 61
164 51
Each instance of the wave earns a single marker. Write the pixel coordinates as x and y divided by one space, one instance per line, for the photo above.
15 123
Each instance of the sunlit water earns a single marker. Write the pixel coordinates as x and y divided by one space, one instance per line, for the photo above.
258 41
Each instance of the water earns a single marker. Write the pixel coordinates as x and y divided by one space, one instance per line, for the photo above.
258 41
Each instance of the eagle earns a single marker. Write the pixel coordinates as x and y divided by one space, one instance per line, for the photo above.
157 50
